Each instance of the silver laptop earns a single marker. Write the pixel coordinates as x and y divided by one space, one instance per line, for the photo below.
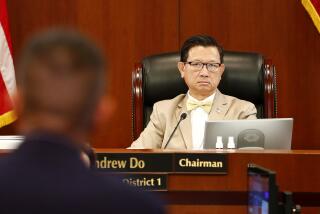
250 134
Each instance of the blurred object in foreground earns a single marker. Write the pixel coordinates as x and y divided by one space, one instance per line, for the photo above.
9 142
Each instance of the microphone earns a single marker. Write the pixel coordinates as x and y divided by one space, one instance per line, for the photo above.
182 117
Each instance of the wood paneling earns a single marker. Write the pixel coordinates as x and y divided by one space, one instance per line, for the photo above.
206 209
126 30
283 32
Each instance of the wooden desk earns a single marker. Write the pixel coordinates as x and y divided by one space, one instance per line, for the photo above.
297 171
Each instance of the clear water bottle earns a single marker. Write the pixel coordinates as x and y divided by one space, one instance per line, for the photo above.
231 144
219 143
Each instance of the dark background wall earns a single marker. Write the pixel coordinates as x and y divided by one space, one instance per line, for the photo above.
128 30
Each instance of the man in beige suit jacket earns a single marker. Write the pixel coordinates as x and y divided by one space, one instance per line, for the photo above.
201 66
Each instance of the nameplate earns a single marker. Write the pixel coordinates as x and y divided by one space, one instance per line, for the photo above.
201 163
154 182
134 162
207 163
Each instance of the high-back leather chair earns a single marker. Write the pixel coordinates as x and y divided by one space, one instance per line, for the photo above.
247 76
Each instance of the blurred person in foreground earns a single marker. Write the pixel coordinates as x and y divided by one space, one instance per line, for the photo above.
60 98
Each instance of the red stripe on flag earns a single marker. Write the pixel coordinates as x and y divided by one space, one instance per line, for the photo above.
316 5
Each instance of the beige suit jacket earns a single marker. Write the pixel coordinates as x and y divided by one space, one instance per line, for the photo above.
166 114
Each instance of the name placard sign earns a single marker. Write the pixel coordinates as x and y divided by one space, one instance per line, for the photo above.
134 162
209 163
146 181
201 163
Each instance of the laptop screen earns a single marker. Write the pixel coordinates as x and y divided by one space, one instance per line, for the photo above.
260 133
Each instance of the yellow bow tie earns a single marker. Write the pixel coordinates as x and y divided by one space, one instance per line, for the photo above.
206 106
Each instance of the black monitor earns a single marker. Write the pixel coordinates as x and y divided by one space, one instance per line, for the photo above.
262 190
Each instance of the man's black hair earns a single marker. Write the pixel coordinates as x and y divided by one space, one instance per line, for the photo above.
199 40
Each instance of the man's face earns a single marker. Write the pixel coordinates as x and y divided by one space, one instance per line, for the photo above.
201 81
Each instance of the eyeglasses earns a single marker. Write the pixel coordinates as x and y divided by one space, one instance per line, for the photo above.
198 66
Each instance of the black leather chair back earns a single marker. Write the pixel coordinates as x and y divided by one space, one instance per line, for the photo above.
161 81
245 77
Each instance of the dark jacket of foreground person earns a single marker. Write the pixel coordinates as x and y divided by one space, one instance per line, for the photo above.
46 175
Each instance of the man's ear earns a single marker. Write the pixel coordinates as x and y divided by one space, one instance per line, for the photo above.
181 68
104 111
18 102
222 68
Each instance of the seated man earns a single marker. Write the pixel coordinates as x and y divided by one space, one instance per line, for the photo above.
201 66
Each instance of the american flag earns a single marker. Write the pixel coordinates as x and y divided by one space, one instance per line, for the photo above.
7 73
